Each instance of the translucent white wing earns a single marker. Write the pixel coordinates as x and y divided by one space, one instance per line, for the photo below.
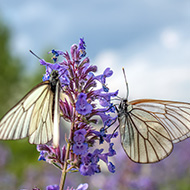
31 117
174 116
143 138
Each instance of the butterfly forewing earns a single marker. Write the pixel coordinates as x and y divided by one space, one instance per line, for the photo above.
32 116
174 116
42 128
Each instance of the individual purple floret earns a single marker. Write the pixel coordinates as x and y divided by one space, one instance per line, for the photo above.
111 167
80 147
52 187
82 47
89 164
82 106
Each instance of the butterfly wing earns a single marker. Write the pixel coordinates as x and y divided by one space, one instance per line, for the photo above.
174 116
31 117
143 138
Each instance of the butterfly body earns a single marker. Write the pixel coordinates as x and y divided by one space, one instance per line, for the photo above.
53 81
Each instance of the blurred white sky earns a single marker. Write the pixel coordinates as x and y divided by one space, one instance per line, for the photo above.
150 39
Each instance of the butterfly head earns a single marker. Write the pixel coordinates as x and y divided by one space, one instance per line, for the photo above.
124 107
54 75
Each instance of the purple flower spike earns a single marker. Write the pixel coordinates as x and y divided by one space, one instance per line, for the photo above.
82 102
82 106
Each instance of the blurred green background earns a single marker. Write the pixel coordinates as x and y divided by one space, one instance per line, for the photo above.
14 84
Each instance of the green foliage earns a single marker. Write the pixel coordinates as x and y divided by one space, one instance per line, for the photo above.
10 70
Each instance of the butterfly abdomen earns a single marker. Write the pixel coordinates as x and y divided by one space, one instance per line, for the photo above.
53 83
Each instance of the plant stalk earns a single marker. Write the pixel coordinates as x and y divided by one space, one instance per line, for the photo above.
64 171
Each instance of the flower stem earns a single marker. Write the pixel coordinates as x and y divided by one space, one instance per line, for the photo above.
64 171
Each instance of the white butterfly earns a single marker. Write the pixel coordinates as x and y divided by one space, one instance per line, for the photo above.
36 115
148 128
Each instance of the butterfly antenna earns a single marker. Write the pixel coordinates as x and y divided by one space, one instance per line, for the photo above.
127 87
34 54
